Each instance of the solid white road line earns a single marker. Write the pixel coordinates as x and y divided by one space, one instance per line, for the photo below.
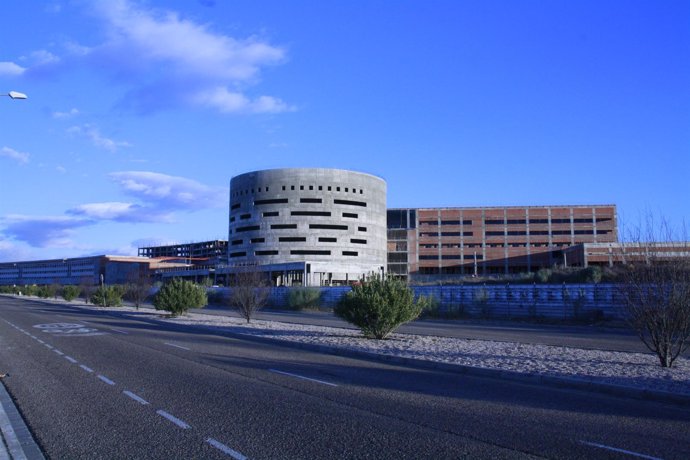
87 369
303 377
40 341
176 346
173 419
138 399
225 449
622 451
58 351
105 379
48 346
119 331
70 359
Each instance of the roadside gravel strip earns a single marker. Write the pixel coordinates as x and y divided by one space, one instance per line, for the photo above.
640 371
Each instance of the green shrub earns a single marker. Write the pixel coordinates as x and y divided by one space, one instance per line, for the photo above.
46 291
178 296
301 298
108 296
69 293
543 275
379 306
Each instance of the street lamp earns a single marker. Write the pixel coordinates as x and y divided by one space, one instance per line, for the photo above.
15 95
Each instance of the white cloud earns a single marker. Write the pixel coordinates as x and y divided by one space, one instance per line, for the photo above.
11 69
43 231
120 212
61 169
94 135
164 192
43 57
20 157
232 102
63 115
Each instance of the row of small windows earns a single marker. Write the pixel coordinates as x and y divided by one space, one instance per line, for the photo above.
294 252
348 215
298 239
588 220
362 204
518 233
452 257
252 228
488 245
320 188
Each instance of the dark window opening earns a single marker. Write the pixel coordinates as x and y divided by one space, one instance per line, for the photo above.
236 242
271 214
310 200
350 203
328 226
238 254
283 226
257 240
235 206
245 216
350 215
350 253
248 228
311 213
266 253
327 239
292 239
309 252
270 201
358 241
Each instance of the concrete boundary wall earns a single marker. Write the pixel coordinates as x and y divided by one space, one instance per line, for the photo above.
536 301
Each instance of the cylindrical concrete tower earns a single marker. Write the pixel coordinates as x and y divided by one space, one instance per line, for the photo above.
331 221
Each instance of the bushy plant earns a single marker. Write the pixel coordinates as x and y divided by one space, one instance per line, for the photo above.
178 296
46 291
301 298
543 275
108 296
69 293
379 306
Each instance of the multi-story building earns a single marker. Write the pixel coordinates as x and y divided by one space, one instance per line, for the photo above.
491 240
308 226
204 252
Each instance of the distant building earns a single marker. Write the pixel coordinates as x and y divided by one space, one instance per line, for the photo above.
80 270
202 253
492 240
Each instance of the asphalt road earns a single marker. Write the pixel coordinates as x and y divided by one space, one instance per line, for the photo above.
93 385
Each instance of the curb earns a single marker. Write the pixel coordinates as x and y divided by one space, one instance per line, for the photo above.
18 440
554 381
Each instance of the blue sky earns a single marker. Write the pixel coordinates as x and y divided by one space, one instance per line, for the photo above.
140 112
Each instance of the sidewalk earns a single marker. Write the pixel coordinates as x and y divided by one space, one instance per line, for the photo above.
16 441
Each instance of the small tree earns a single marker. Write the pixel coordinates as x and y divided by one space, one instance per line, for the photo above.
249 292
69 293
655 287
108 296
138 287
178 296
380 305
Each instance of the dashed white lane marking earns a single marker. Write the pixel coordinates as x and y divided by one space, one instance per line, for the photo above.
226 450
135 397
58 351
622 451
119 331
173 419
87 369
302 377
40 341
48 346
176 346
70 359
105 379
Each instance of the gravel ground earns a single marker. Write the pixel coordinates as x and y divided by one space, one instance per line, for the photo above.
636 370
